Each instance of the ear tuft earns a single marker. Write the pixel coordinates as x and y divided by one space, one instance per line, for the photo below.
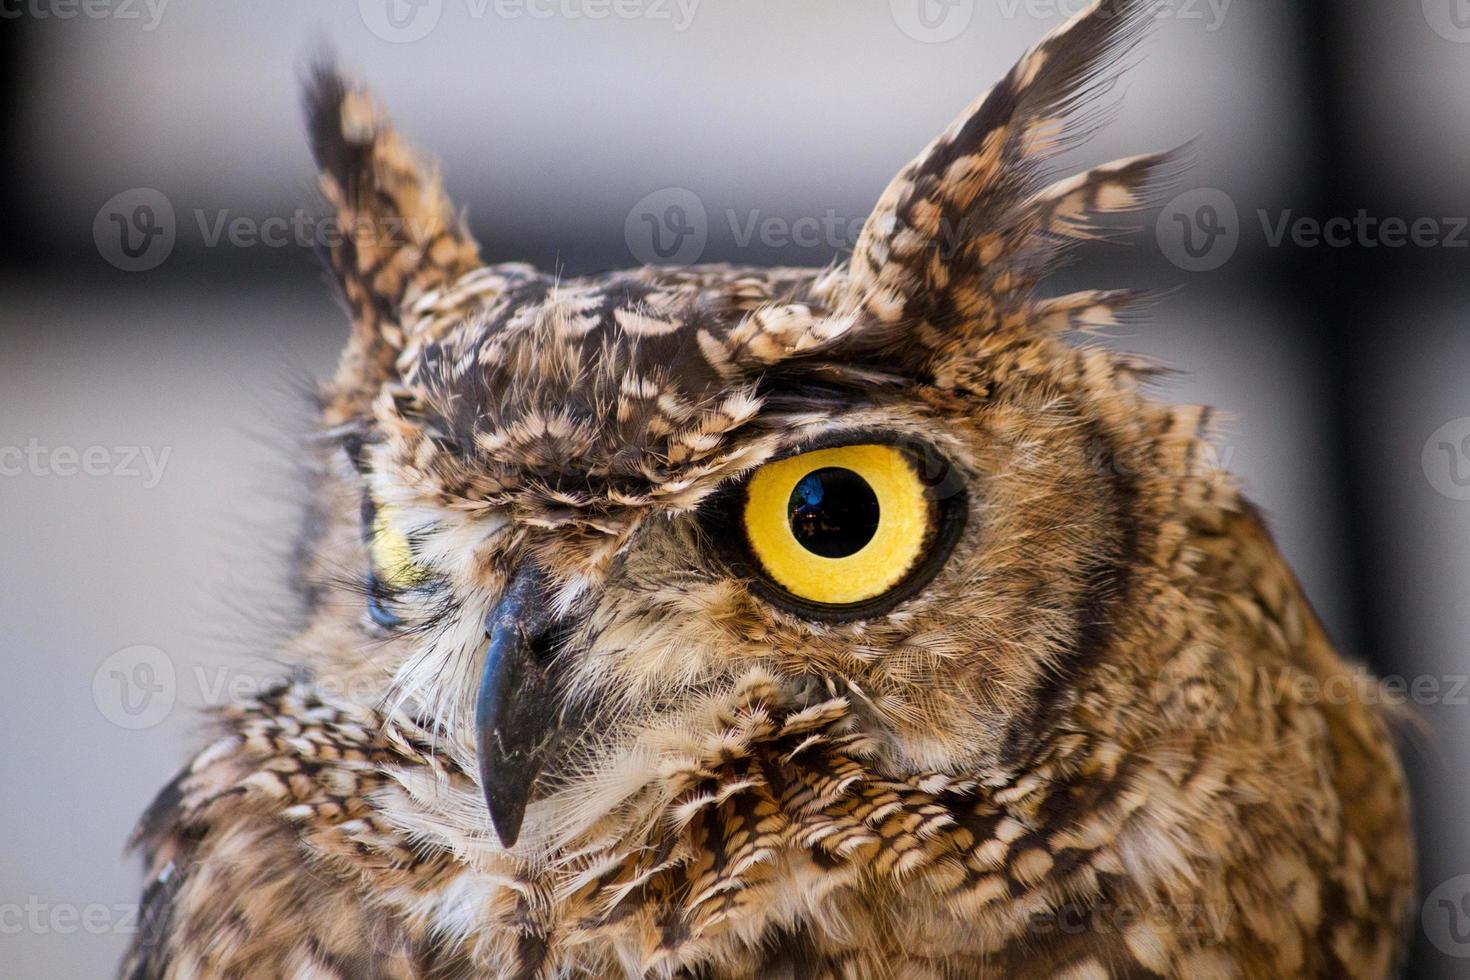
962 235
395 237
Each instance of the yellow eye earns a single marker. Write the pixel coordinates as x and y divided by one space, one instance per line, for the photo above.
392 555
839 526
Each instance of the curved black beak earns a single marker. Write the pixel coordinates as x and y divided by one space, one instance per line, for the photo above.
518 711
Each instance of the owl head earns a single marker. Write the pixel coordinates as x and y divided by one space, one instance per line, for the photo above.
657 547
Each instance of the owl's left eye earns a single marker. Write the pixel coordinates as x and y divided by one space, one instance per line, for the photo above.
847 530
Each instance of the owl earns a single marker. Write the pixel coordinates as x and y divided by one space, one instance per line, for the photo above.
727 623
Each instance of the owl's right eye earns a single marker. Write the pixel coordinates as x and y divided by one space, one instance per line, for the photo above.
394 569
392 554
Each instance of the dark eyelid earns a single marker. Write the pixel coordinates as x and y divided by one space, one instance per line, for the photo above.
940 476
850 437
369 513
355 446
352 437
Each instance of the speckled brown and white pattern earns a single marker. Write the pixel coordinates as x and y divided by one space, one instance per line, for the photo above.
1083 750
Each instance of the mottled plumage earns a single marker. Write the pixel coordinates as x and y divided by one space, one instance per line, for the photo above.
1081 749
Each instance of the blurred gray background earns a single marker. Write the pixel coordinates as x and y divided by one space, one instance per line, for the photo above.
163 303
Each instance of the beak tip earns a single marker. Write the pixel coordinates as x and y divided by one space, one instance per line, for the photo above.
504 819
507 826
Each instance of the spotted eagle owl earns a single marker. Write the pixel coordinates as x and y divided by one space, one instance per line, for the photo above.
863 622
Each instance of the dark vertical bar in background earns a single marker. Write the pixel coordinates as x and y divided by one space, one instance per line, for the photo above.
1339 292
15 74
1335 288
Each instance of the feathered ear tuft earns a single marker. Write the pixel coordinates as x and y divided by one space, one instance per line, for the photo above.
961 236
396 234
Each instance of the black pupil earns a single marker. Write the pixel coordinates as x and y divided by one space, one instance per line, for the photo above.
833 512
